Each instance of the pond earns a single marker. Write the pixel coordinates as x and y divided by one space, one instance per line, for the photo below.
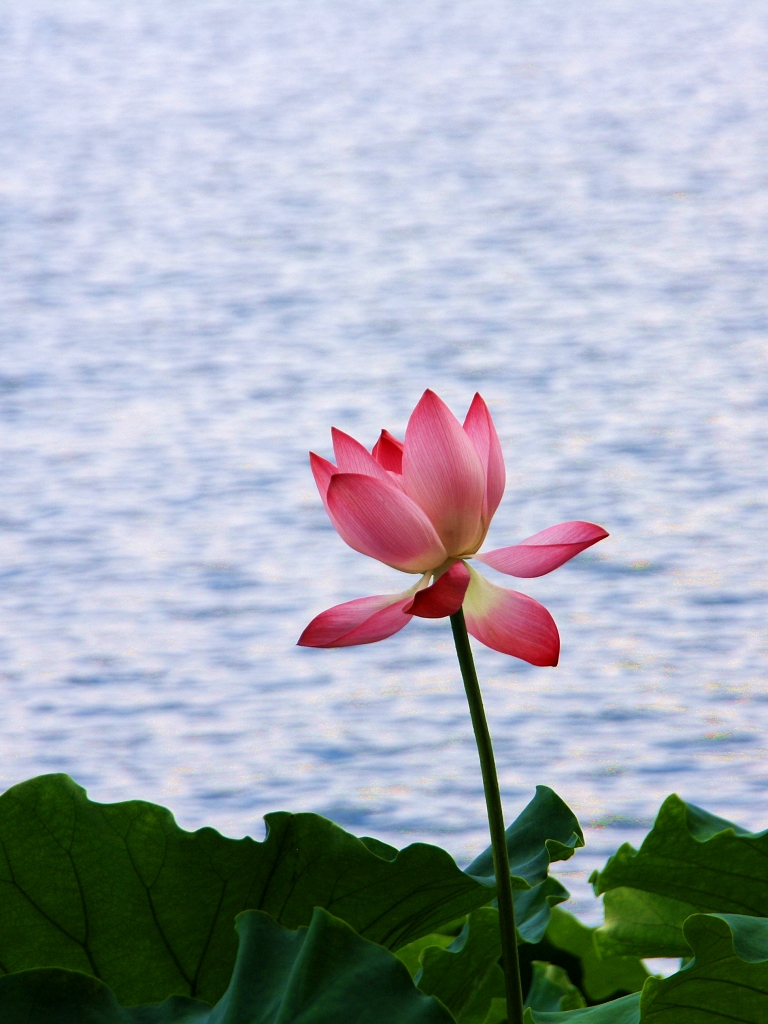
228 226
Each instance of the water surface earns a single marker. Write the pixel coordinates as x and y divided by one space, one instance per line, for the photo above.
225 227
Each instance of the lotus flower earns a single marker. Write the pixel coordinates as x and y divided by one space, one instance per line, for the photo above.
424 506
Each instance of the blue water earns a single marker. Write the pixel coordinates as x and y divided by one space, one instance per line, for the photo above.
225 227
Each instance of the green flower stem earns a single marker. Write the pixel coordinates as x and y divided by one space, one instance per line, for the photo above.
509 956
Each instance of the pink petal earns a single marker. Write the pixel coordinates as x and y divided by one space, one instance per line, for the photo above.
544 551
363 621
322 471
442 472
388 452
479 426
379 520
510 622
352 457
445 595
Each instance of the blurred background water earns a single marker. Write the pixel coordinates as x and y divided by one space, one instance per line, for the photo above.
226 226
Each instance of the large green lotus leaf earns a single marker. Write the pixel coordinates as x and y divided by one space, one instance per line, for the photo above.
552 989
50 995
466 976
410 955
497 1013
546 831
533 910
325 974
727 980
620 1011
642 924
600 978
121 892
695 858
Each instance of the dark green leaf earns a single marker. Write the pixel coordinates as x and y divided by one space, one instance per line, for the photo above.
546 831
727 980
642 924
410 955
533 910
691 861
551 989
466 976
600 979
120 892
697 859
497 1014
620 1011
325 974
380 849
50 995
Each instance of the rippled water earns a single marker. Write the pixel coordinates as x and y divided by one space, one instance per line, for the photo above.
226 226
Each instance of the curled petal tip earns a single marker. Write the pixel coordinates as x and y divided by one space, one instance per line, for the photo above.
322 471
388 452
352 457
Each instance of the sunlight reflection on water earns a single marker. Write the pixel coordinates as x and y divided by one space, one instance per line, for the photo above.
224 233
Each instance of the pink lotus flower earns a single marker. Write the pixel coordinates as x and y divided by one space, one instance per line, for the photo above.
424 506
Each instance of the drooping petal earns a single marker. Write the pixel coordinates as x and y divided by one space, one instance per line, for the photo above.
378 519
322 471
479 426
442 472
363 621
511 623
545 551
388 452
352 457
444 597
